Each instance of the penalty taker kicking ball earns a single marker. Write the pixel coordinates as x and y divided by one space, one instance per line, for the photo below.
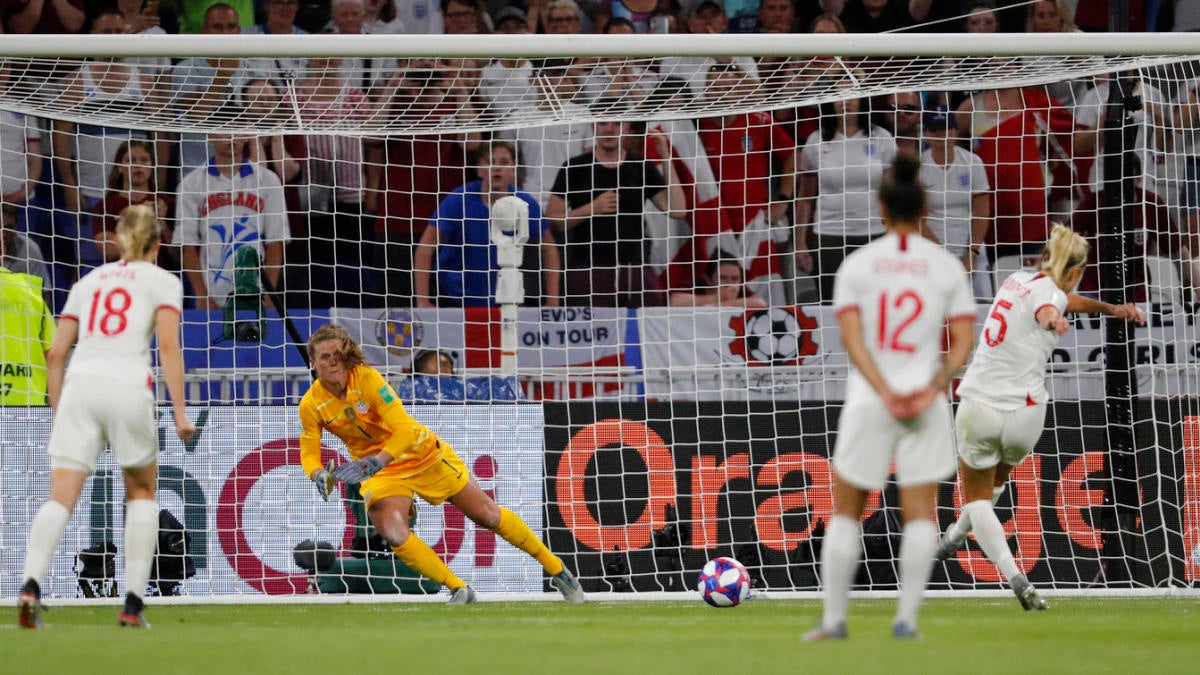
724 582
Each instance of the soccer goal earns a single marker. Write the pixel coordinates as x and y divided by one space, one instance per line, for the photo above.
651 375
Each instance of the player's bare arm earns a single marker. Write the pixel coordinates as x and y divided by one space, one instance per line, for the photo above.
1081 304
850 323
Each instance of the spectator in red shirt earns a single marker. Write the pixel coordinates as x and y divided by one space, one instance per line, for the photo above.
44 16
1006 126
753 160
419 171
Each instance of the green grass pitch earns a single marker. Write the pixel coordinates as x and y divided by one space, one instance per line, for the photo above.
1077 635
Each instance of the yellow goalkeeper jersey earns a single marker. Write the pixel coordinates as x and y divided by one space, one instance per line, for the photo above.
370 418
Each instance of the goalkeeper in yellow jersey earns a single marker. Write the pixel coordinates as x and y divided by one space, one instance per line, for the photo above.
395 457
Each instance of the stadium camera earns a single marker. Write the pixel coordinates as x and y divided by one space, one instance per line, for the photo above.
247 331
314 556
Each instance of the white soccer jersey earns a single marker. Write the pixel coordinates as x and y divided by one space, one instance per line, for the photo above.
1009 368
849 171
905 289
116 305
221 215
949 190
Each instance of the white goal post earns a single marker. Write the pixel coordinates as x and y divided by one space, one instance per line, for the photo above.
640 410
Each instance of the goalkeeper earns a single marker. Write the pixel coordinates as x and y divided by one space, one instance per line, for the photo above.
396 457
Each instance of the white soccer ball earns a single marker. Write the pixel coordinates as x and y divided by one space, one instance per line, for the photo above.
724 582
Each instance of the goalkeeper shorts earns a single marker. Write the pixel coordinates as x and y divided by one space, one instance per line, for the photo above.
440 481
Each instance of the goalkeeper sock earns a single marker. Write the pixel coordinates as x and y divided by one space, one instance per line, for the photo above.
917 545
516 532
422 560
44 536
989 534
839 563
141 538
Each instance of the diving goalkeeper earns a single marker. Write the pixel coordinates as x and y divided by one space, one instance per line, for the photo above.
396 457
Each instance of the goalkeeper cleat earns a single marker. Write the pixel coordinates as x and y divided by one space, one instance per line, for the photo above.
1027 595
132 620
463 596
568 585
902 630
29 611
821 633
945 549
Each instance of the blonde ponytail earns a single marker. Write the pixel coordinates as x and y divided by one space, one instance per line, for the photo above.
137 231
1065 250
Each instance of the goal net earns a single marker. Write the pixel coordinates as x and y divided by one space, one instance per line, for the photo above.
657 381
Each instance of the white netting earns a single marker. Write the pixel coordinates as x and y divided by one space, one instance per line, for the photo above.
654 413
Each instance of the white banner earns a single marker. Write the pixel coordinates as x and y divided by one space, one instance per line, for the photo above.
709 353
241 494
546 337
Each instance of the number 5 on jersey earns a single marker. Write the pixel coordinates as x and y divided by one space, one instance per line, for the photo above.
998 310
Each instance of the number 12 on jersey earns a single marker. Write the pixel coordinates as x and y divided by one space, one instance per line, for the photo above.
897 312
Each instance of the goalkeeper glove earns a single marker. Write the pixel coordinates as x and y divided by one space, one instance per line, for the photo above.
325 481
358 470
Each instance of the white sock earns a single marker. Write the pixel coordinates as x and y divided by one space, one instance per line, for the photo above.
989 534
44 536
959 529
997 493
141 536
916 562
839 563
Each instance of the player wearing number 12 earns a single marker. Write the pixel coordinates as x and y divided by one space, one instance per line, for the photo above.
107 396
894 298
395 457
1004 393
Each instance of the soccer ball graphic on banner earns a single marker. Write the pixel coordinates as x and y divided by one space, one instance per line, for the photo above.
724 582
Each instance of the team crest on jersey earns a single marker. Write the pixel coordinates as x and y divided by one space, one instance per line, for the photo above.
964 181
362 407
870 150
778 336
747 143
420 10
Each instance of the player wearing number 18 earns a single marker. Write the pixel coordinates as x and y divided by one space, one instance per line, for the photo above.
894 298
395 457
1004 393
107 396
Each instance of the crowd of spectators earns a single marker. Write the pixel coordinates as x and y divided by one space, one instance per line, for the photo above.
622 213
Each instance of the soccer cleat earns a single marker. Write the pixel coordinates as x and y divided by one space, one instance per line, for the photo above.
132 620
568 585
29 611
821 633
945 549
463 596
1027 595
905 631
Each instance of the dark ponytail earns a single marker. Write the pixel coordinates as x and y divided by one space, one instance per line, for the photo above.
901 192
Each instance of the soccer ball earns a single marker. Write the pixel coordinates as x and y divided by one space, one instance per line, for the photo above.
724 582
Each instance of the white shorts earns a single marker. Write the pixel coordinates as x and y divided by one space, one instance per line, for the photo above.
989 436
93 411
869 438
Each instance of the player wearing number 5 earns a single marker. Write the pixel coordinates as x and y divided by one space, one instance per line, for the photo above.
396 457
1004 393
894 298
107 396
